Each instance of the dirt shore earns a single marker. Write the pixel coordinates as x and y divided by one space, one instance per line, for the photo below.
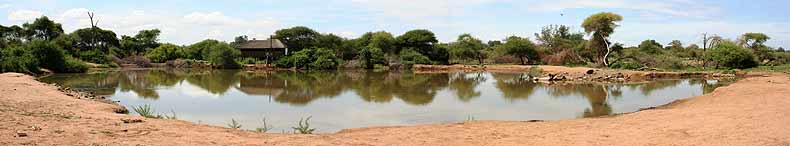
753 111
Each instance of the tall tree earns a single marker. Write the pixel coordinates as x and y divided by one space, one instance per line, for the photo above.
238 40
650 46
468 47
675 45
297 38
43 28
558 38
519 47
143 41
420 40
601 26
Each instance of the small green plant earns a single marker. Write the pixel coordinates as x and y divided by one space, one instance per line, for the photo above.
234 124
148 112
171 117
145 111
304 126
266 127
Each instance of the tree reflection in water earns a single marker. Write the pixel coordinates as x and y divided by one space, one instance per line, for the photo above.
301 88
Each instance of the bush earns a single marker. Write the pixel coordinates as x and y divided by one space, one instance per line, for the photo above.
18 60
223 55
165 53
371 56
410 57
49 56
732 56
93 56
325 59
74 65
314 58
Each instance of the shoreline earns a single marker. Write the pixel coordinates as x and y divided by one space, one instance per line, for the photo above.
49 116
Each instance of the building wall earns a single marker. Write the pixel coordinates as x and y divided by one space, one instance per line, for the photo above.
268 54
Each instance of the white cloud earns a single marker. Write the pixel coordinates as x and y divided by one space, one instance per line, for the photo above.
24 15
176 28
649 8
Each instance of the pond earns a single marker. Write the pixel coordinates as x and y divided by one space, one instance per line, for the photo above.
351 99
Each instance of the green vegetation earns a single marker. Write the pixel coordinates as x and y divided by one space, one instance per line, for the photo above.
304 126
234 124
148 112
266 127
43 44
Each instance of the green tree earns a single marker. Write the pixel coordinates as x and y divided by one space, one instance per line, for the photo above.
200 50
49 56
237 41
371 56
420 40
165 52
11 36
730 55
521 48
558 38
756 42
17 59
223 55
409 57
297 38
468 47
601 26
89 44
143 41
650 46
43 28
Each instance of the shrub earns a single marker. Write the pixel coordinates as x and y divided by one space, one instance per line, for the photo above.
410 57
223 55
325 59
731 55
304 126
165 53
49 56
93 56
314 58
16 59
234 124
371 56
75 65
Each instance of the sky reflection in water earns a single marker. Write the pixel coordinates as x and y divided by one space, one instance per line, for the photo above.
351 99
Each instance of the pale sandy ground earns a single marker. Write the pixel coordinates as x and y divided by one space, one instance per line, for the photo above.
753 111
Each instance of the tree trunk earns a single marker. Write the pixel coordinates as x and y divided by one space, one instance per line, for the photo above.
522 60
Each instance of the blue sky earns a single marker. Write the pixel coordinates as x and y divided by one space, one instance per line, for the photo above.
189 21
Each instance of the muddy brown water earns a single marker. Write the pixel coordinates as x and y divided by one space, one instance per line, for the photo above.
350 99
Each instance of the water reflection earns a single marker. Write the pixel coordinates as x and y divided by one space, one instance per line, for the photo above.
373 98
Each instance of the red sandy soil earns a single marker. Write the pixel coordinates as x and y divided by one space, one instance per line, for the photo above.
753 111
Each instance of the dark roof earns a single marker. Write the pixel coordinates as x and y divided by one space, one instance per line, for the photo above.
262 44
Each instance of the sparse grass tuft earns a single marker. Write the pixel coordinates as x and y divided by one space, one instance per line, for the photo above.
145 111
304 126
148 112
470 118
266 127
234 124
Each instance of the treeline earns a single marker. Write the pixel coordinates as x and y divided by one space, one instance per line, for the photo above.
43 44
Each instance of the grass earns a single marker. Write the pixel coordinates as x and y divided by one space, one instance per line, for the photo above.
266 127
304 126
148 112
145 111
234 124
470 118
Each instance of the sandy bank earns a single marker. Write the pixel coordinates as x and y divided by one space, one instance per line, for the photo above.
753 111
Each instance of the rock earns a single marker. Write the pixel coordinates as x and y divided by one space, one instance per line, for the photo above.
589 72
132 120
21 134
